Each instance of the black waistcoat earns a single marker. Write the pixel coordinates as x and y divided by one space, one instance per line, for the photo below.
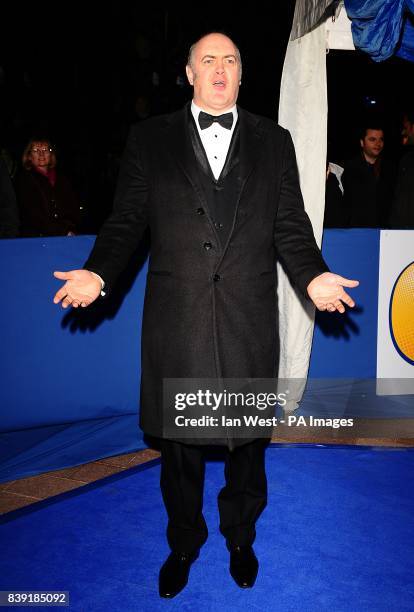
221 194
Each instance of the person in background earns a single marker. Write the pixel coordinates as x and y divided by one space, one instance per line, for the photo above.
9 215
402 211
368 181
48 205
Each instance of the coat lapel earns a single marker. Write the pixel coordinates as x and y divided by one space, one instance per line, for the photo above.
181 147
251 134
179 143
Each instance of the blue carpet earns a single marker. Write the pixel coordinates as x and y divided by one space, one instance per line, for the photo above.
337 535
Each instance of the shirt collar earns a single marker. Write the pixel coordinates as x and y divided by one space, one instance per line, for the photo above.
196 110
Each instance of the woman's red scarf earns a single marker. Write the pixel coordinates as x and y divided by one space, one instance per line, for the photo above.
49 173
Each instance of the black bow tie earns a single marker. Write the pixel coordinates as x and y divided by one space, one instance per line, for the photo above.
205 120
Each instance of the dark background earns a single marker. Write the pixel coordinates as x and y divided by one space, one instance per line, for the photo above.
73 72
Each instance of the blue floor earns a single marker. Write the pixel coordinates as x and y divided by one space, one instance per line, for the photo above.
337 535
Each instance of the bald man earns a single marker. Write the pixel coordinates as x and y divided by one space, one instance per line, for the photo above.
219 189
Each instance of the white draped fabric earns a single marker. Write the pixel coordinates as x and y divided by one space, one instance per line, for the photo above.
303 111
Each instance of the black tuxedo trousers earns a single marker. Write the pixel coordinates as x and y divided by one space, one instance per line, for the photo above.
240 501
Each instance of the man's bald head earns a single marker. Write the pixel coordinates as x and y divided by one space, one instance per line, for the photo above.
214 70
191 52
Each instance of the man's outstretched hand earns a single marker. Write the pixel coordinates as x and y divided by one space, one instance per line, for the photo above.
327 292
81 288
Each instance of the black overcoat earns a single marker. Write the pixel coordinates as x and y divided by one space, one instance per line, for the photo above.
209 312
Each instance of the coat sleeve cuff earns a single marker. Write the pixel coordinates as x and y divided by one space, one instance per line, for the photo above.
103 293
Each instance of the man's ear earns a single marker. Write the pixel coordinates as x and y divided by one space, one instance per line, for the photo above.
361 142
190 74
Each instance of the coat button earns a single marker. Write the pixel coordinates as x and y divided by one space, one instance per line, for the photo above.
218 225
207 246
216 278
200 211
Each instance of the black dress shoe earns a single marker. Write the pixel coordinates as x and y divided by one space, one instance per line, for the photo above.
243 566
174 573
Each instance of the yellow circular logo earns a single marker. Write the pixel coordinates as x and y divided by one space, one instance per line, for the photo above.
402 314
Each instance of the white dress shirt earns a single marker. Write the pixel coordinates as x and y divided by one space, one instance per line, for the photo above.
216 139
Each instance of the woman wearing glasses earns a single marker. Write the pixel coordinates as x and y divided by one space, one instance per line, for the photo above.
48 205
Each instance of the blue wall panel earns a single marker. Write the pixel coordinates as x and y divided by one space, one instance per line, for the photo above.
70 379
